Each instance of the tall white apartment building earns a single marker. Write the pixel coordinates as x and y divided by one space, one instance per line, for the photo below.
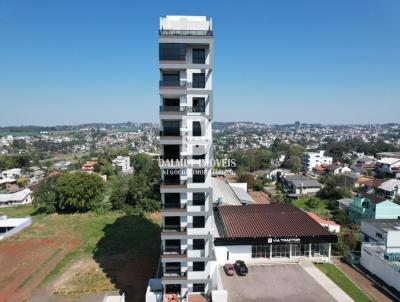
313 159
186 101
123 163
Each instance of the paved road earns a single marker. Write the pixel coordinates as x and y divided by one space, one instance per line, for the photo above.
275 283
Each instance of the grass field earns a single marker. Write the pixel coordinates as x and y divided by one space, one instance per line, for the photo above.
114 252
343 282
320 209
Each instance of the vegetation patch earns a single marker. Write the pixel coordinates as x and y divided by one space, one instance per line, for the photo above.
341 280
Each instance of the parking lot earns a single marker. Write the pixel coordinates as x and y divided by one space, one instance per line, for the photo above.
273 283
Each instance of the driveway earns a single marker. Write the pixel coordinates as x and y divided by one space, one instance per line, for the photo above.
273 283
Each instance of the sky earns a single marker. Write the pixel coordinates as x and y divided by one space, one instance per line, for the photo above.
73 61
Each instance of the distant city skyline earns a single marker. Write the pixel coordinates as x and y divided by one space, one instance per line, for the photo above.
75 62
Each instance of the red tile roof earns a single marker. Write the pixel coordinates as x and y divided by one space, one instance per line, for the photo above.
320 220
268 220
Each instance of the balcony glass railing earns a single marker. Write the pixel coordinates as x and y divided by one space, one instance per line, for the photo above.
173 205
199 109
172 181
174 251
172 108
170 132
173 228
164 83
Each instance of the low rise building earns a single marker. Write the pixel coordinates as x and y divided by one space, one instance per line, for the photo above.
268 232
380 250
298 184
89 166
312 159
123 163
19 197
62 165
389 165
330 225
12 173
372 207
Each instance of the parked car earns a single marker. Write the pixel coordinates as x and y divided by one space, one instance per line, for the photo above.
229 270
241 268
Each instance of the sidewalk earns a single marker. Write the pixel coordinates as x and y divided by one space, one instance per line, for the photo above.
336 292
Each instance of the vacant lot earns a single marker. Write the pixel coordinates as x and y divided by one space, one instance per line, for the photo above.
78 254
275 283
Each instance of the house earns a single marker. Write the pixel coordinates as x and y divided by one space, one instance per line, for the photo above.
390 188
380 250
8 183
312 159
16 198
337 169
389 165
12 173
381 155
298 184
89 166
123 163
330 225
372 207
62 165
37 174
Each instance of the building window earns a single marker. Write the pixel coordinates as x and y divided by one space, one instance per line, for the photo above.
172 52
199 198
199 222
199 105
198 244
199 56
196 129
199 175
199 80
199 287
171 79
198 266
379 235
260 251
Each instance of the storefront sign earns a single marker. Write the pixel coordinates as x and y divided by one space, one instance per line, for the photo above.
283 240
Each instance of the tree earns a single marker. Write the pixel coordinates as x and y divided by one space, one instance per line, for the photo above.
70 193
22 181
78 192
336 186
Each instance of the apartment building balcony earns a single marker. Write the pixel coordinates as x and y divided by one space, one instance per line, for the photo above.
191 33
173 110
173 208
173 84
173 253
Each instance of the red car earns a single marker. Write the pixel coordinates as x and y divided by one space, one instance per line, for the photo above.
229 270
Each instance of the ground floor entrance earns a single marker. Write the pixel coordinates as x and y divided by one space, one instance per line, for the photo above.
272 251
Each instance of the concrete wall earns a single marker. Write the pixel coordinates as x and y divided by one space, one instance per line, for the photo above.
234 252
17 229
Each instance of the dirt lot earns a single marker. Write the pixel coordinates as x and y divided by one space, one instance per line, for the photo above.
78 257
275 283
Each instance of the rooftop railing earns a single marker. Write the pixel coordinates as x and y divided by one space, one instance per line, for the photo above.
170 32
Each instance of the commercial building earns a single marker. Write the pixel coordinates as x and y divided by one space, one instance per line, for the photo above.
186 101
380 250
123 163
275 232
313 159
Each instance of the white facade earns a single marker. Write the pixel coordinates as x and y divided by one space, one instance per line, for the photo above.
313 159
16 198
186 102
12 173
123 163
